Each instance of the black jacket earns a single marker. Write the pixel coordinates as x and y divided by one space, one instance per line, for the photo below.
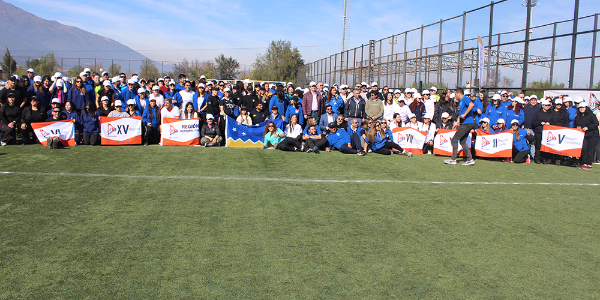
588 120
540 117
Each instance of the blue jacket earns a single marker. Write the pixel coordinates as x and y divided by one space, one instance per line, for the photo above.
175 96
323 119
572 114
378 142
336 104
44 97
280 105
139 103
478 105
291 110
494 113
360 131
74 95
521 144
510 115
126 94
75 116
155 122
338 139
91 123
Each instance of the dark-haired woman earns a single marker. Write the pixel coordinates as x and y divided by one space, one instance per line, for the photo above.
91 124
588 122
275 137
71 113
151 120
78 94
294 109
279 100
105 91
560 118
31 114
515 112
381 144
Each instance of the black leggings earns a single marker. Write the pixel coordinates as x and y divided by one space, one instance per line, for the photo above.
289 144
519 157
387 148
90 139
587 150
320 143
151 135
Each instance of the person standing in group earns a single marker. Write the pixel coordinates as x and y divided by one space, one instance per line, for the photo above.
355 108
91 124
312 102
588 122
151 120
521 139
466 123
543 117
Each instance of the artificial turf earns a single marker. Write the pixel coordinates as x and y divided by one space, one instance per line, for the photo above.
219 223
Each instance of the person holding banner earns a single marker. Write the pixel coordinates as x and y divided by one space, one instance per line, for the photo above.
588 122
91 124
521 140
431 129
169 110
382 143
188 112
500 126
465 124
275 137
151 119
495 111
543 117
210 135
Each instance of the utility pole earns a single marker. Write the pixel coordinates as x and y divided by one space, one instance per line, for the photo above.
530 4
345 31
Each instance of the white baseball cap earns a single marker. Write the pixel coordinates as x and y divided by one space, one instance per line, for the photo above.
503 92
344 86
118 103
514 121
408 90
312 83
433 88
16 76
59 82
131 102
141 90
558 101
496 97
55 100
201 85
578 99
500 121
411 115
397 92
289 83
104 98
426 92
210 116
171 82
363 83
155 88
202 77
417 95
226 90
533 96
106 83
130 81
428 116
30 70
445 115
583 104
545 102
82 73
452 96
484 120
518 100
374 83
160 79
115 79
104 73
37 78
87 70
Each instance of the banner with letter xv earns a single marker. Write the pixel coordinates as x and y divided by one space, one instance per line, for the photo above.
121 131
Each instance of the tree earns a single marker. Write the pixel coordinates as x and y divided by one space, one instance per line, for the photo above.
74 71
9 64
194 69
148 70
114 70
44 65
543 84
279 63
226 67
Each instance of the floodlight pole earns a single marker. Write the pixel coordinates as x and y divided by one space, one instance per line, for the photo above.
530 4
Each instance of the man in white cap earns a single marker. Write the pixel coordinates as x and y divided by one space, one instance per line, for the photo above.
543 117
118 112
312 102
434 94
465 123
30 75
375 88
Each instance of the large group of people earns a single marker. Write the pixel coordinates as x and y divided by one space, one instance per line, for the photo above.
319 117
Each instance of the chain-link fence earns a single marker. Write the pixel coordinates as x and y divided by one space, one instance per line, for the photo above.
561 50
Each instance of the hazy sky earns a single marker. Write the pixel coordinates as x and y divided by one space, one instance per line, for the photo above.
202 29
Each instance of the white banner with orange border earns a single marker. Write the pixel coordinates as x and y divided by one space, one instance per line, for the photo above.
64 130
121 131
562 140
442 144
176 132
494 144
409 139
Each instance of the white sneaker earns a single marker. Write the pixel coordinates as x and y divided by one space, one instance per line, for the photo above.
450 161
469 162
409 154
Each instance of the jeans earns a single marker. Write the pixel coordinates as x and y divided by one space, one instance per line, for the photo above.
461 135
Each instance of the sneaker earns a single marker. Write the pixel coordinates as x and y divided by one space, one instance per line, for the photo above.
597 162
48 143
537 161
55 143
557 162
316 150
396 152
528 160
302 148
309 150
469 162
580 167
508 160
361 153
409 154
450 161
429 152
370 150
587 167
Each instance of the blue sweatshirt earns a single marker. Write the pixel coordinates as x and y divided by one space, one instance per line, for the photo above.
521 144
75 116
91 123
74 95
510 115
378 142
281 106
127 94
175 96
138 102
572 111
291 110
317 127
494 113
338 139
155 122
336 104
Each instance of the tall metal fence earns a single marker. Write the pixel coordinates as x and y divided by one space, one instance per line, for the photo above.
563 51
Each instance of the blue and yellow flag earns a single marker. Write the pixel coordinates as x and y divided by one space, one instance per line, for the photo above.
238 135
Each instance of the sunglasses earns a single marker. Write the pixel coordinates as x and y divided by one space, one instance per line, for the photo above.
270 126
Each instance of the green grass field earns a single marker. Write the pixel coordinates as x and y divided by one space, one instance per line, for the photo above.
216 223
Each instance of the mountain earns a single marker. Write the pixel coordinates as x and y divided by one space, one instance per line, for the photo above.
22 31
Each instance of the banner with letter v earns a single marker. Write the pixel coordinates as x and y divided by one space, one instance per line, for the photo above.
562 140
121 131
64 130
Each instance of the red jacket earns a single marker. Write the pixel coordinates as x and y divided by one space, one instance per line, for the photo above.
307 103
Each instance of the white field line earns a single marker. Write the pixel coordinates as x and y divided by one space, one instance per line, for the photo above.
297 180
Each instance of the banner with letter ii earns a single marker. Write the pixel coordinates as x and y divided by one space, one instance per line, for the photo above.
64 130
494 144
562 140
176 132
442 144
121 131
409 139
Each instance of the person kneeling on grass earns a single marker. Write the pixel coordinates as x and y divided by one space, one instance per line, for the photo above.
521 140
341 141
380 142
275 137
210 133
